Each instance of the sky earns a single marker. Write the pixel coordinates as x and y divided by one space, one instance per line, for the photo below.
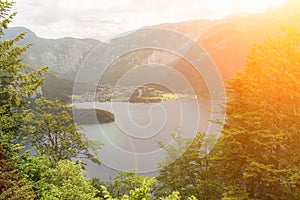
104 19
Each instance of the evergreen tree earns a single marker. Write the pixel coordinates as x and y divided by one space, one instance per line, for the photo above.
16 83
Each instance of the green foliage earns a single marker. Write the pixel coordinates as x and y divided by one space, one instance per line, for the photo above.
173 196
49 128
53 132
16 83
66 181
259 150
5 15
97 183
234 193
33 167
142 192
257 156
124 182
187 170
12 185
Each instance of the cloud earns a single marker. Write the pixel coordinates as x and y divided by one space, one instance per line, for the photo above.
106 18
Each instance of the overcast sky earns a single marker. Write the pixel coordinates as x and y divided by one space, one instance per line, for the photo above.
103 19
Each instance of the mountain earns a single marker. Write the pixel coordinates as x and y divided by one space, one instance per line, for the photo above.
63 56
228 41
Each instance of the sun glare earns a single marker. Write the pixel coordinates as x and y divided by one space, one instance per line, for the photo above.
258 4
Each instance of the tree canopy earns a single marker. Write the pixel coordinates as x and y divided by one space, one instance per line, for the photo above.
259 150
52 132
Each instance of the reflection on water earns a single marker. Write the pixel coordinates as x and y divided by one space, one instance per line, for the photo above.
131 141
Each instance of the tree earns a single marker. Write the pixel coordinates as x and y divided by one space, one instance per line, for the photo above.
259 149
143 191
15 80
52 132
16 83
124 182
12 185
257 156
187 170
66 181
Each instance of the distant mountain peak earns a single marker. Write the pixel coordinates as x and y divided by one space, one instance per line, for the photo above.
19 29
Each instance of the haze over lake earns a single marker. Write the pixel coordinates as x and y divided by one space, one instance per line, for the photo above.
131 142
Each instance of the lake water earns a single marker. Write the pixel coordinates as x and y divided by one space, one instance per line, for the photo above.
131 142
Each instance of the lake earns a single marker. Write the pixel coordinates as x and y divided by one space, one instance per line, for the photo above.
131 142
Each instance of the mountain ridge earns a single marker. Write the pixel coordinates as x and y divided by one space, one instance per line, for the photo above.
228 41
